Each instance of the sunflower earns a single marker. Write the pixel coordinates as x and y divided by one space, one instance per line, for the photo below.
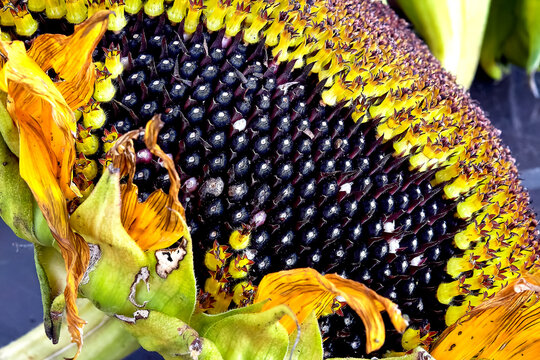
282 171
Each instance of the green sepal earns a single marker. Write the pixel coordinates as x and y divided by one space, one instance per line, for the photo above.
122 277
8 130
42 230
175 295
202 321
16 199
51 275
416 354
251 335
500 24
117 258
531 21
170 337
309 345
453 30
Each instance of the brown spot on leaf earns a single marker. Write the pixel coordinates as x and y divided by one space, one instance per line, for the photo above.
169 259
137 315
143 275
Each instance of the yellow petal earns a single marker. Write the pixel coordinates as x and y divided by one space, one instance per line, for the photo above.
306 291
34 99
46 157
506 327
71 58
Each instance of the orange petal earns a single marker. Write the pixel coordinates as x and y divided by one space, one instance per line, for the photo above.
31 94
506 327
154 224
46 150
159 221
306 291
71 58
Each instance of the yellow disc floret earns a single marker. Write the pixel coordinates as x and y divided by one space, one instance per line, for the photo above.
112 61
25 24
154 7
76 11
93 115
117 20
240 239
87 143
55 9
104 89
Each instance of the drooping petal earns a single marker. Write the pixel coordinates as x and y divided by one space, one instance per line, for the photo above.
358 296
46 126
31 93
46 155
306 291
159 221
506 327
71 58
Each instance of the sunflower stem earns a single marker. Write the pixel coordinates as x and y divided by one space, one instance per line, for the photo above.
104 338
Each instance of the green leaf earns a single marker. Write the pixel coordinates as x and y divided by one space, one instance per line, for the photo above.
309 345
251 335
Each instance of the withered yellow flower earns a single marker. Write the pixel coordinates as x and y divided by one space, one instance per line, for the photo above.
213 166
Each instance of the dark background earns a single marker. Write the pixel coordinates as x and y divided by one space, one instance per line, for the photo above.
509 104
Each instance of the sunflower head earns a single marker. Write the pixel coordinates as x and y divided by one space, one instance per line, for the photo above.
275 153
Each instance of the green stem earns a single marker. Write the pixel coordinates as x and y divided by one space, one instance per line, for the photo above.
104 338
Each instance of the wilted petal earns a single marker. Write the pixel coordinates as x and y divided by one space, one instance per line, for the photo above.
46 126
71 58
306 291
506 327
46 156
154 224
159 221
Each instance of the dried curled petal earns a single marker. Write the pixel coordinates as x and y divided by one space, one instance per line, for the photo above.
46 125
159 221
306 291
71 58
505 327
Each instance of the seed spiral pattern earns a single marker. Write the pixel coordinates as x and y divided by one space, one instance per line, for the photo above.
310 134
